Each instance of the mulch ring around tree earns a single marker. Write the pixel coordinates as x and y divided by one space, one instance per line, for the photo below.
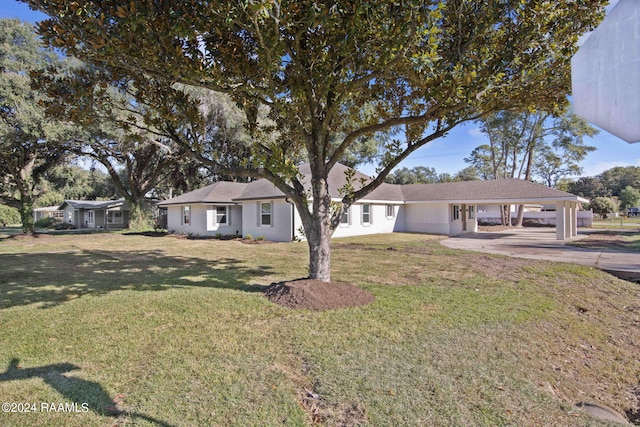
317 295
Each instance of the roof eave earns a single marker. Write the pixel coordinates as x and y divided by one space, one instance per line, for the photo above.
217 202
507 201
249 199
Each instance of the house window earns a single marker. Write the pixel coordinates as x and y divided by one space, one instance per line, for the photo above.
455 213
222 215
114 217
472 212
265 214
366 214
345 218
186 215
391 212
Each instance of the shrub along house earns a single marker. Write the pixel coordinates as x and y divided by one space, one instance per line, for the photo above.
260 209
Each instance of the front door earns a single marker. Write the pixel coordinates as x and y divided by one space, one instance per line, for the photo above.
90 219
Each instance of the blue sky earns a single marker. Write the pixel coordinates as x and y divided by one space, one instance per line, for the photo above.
446 154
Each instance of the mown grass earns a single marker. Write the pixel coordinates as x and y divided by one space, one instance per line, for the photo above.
175 332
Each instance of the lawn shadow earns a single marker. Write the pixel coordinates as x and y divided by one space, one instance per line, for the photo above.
633 415
56 277
86 395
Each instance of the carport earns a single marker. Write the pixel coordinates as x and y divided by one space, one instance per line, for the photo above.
451 208
566 212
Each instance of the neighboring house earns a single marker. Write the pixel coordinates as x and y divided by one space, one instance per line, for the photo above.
95 213
260 209
48 212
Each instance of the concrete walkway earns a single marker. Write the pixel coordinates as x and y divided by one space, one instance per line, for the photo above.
541 243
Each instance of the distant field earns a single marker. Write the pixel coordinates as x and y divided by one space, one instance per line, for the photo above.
620 222
160 331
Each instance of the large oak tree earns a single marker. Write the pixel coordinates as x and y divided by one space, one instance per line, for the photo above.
141 133
424 67
30 142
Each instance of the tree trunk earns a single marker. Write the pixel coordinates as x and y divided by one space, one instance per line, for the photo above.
25 204
137 218
319 241
24 183
318 229
520 217
505 215
26 216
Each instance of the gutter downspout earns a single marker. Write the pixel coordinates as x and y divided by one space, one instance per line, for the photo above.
293 218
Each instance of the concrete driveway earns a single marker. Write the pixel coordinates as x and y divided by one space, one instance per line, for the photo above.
541 243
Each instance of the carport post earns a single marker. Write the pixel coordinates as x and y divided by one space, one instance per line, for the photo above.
560 221
568 224
574 223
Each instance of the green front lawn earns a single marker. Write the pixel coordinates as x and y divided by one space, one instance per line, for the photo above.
162 331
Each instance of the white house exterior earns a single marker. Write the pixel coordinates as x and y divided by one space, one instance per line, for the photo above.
205 219
369 217
438 218
208 211
259 209
48 212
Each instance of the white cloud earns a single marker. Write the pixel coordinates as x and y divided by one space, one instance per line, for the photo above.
475 132
598 168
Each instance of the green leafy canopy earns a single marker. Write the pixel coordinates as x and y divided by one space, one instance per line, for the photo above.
31 143
315 65
421 67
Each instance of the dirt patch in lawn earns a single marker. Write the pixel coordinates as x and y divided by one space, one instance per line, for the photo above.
28 236
256 241
316 295
610 240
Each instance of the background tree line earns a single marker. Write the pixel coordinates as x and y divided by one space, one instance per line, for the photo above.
616 189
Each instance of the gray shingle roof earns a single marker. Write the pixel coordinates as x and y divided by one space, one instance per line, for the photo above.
506 190
219 192
260 189
479 191
93 204
390 192
264 189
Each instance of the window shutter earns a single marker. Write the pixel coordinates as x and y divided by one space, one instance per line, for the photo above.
211 218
